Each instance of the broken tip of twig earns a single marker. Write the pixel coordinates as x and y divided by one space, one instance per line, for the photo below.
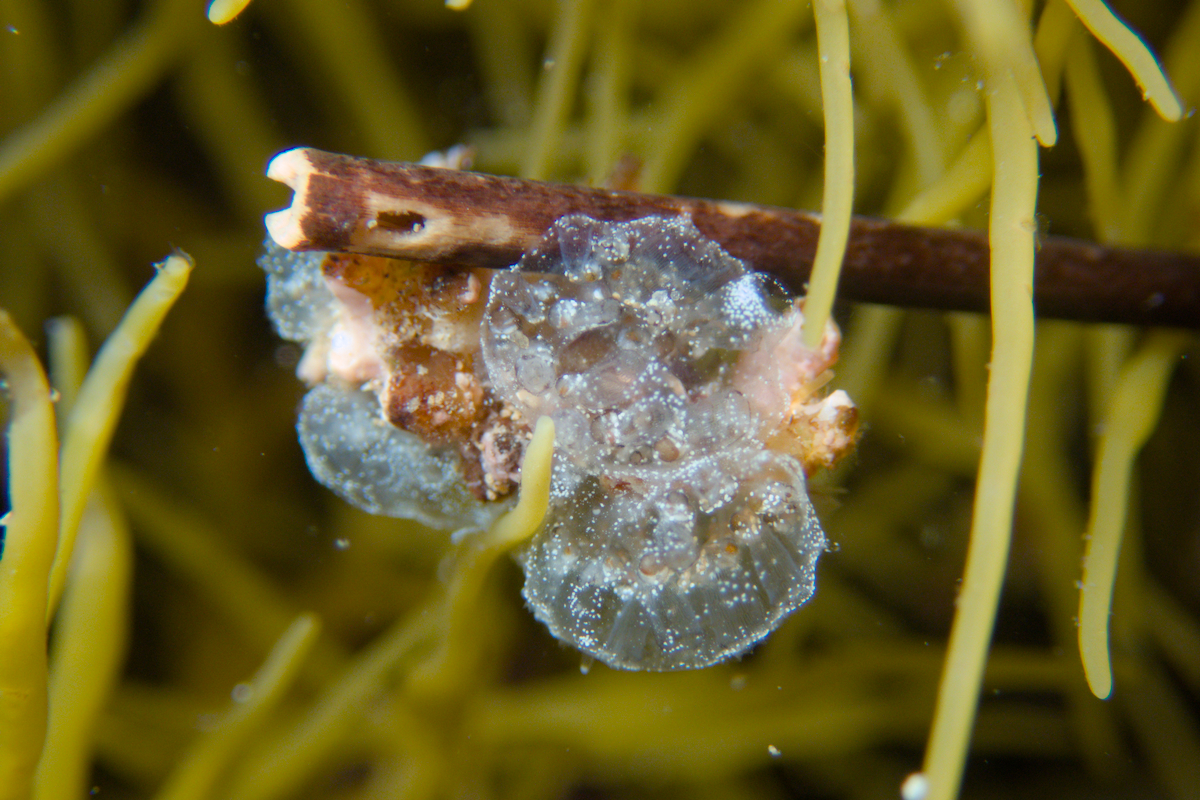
291 168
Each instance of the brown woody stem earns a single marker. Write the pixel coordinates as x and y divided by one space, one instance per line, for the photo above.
343 203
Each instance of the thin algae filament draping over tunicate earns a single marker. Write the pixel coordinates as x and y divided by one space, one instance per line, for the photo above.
679 530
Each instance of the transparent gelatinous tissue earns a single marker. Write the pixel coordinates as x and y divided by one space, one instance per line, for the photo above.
299 303
380 468
675 538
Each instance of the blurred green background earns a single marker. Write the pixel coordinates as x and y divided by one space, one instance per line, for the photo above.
131 128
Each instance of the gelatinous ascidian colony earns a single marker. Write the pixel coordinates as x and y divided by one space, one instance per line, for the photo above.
686 411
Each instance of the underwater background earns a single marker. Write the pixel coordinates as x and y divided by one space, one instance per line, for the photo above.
239 632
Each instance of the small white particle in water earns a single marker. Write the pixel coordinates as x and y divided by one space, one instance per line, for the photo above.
242 692
915 787
341 543
773 751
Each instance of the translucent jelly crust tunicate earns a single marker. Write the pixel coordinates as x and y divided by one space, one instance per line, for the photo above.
349 447
298 301
381 469
675 538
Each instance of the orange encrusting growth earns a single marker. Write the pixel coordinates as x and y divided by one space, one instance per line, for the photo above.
424 336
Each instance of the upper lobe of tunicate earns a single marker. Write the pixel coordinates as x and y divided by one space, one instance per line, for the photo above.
298 302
